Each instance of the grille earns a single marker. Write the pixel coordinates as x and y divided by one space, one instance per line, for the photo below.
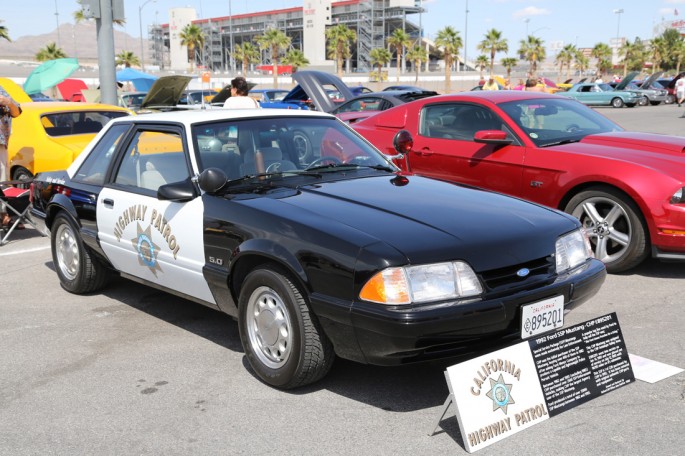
505 278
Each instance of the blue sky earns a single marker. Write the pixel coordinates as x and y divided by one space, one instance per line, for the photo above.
579 22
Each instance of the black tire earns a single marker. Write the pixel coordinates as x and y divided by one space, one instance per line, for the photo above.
617 103
618 234
303 146
78 271
655 103
282 338
644 101
22 174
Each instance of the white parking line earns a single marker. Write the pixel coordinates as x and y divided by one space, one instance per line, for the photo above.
19 252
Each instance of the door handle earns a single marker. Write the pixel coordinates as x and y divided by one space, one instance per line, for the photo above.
425 152
108 202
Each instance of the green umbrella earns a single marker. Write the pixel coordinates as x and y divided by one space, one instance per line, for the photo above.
49 74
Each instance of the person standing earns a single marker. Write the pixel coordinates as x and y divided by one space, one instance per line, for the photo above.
239 98
8 110
491 85
680 90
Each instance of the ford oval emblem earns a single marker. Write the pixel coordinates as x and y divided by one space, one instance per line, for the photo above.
523 272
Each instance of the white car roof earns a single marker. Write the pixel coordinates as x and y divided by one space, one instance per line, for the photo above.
215 114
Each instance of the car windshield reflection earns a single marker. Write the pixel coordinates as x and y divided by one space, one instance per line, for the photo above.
277 148
549 122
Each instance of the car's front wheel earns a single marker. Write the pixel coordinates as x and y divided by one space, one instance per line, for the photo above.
77 270
644 101
282 338
617 103
617 232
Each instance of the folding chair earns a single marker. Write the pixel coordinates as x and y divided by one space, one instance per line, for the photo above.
14 201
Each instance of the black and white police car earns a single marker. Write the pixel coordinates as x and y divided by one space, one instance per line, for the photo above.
340 255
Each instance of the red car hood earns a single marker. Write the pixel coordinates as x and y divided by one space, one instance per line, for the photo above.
662 152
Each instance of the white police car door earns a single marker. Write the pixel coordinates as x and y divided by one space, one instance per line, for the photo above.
158 241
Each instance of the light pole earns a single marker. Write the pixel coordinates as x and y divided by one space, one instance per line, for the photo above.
466 32
140 22
526 20
57 21
230 34
618 13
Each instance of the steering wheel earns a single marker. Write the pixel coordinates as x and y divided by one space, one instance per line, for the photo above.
573 128
324 159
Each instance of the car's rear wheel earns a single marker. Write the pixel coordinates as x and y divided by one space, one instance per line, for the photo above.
617 103
615 226
303 146
22 174
282 338
670 99
655 103
644 101
77 270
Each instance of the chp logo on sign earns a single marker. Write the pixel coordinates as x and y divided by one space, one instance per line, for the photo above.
496 395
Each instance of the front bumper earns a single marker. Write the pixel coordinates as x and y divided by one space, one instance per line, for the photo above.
374 334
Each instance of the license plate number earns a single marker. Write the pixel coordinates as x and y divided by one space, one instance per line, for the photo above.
542 316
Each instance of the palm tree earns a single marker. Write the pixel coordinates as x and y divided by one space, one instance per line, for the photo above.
533 50
659 51
50 52
582 62
678 53
417 55
602 52
493 43
246 53
296 59
128 59
565 58
4 33
631 54
399 40
192 37
340 37
508 63
379 58
274 41
449 40
482 63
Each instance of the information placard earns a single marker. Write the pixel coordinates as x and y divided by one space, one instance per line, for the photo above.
582 362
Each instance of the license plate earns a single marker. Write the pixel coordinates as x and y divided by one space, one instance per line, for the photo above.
542 316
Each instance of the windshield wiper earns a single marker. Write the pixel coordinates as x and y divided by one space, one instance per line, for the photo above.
563 141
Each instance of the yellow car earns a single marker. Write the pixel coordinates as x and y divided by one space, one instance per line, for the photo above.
48 136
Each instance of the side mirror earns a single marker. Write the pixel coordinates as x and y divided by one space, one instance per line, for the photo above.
492 137
212 179
177 191
403 142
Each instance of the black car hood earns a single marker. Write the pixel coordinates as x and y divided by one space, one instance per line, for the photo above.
166 91
314 83
429 220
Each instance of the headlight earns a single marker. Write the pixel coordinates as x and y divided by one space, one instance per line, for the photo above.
419 284
572 250
677 197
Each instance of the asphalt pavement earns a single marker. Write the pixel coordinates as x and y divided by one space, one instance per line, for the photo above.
132 370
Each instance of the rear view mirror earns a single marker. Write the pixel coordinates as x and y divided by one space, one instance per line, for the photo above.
403 142
492 137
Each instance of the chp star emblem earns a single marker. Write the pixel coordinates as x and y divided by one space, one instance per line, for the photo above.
147 250
500 393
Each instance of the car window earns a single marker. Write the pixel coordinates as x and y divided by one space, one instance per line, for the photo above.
361 104
457 121
94 168
77 122
152 159
550 121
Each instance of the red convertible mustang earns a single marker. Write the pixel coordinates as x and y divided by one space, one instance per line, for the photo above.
625 187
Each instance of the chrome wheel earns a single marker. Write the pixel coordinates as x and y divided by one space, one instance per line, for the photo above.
608 225
67 252
303 146
269 327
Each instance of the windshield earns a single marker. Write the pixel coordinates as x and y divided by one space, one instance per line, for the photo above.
552 121
283 147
